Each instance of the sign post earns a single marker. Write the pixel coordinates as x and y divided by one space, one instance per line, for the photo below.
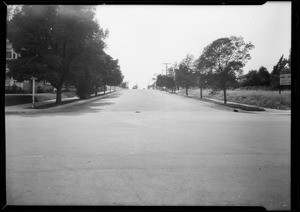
33 91
285 79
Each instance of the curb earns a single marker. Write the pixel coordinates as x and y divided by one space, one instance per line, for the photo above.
58 107
216 101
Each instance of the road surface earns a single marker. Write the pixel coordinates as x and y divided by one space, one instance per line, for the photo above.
148 147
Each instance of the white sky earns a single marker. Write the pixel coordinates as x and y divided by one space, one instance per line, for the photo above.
145 37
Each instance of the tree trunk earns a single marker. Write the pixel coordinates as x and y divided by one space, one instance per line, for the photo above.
95 90
110 88
114 88
186 90
58 94
224 90
104 88
200 92
279 89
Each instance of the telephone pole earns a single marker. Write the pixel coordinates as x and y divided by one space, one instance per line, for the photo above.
166 66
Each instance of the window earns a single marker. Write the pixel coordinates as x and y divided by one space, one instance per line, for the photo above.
8 54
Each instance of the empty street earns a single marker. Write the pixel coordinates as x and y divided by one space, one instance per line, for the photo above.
148 147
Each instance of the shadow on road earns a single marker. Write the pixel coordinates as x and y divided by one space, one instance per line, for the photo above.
93 106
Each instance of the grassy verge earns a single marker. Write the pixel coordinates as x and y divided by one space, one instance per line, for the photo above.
16 99
66 101
45 106
257 98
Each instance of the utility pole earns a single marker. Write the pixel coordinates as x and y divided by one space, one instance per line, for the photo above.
166 66
33 91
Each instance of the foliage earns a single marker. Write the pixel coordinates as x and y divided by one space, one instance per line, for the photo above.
185 74
264 76
124 85
61 44
114 76
223 60
165 81
252 78
280 68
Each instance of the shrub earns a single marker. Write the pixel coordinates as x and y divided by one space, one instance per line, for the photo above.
40 89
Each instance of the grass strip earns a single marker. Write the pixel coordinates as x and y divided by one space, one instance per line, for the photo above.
50 105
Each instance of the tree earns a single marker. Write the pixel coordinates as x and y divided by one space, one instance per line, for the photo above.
184 75
224 58
124 85
252 78
165 81
279 68
170 79
170 83
114 76
111 74
264 76
88 67
50 39
201 74
257 78
289 62
160 81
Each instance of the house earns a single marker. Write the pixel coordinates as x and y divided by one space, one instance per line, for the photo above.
26 86
10 55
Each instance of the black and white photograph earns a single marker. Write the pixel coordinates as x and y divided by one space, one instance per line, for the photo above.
148 105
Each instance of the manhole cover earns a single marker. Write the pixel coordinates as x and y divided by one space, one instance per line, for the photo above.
137 111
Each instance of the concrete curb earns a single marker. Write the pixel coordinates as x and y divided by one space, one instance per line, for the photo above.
56 108
268 110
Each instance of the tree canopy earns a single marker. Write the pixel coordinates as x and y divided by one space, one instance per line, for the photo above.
224 59
58 43
184 75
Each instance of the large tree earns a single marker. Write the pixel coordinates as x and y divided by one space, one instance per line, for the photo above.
49 39
201 74
184 75
111 74
224 58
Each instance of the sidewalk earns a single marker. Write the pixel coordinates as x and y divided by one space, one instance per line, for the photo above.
27 108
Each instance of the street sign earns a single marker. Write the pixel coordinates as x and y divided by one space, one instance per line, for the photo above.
285 79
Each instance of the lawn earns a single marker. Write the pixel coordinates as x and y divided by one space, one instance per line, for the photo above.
16 99
258 98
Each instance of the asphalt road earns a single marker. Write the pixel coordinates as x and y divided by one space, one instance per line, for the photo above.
147 147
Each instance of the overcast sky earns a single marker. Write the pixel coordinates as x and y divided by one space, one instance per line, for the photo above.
145 37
